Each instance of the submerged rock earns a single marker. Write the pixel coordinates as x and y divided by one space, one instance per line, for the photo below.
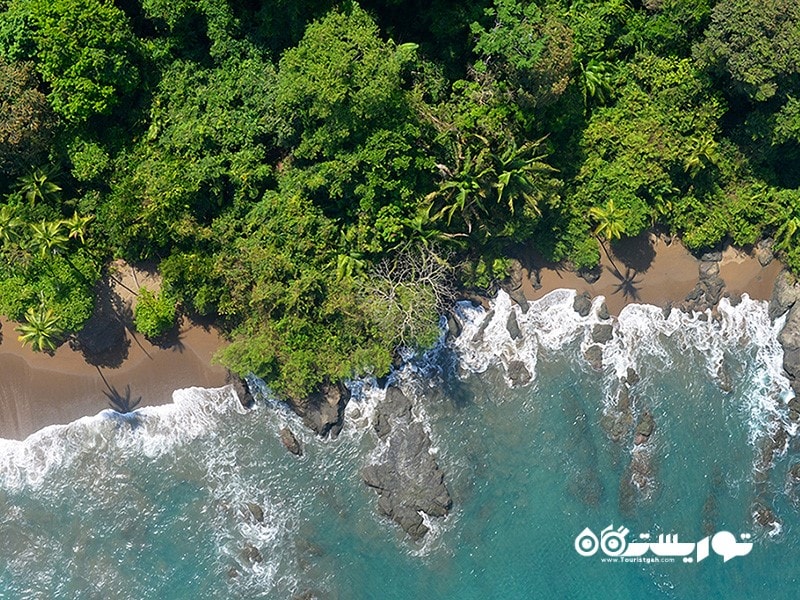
631 377
518 373
594 355
290 441
251 554
323 410
256 511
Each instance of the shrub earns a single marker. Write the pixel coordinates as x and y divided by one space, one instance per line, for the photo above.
154 314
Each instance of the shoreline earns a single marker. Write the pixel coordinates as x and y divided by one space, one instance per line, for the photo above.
38 390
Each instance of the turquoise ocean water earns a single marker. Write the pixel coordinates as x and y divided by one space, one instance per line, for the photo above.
154 504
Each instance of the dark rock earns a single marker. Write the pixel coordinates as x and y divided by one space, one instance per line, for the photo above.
536 280
408 480
764 515
290 441
602 332
632 377
789 339
794 471
591 275
785 294
623 399
709 270
594 355
241 388
582 304
518 373
233 572
454 327
667 311
724 380
396 404
711 257
735 298
487 319
714 287
512 326
251 554
646 425
763 251
616 425
794 407
602 311
382 426
323 410
518 296
256 511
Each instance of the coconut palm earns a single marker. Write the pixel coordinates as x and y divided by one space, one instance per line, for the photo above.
48 237
610 225
522 175
702 153
77 226
40 329
9 224
38 186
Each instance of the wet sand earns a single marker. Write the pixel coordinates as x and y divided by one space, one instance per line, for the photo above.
37 390
652 270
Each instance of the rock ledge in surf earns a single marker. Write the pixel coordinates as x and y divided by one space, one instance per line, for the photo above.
323 410
406 476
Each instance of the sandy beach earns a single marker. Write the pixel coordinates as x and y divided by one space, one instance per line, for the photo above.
651 270
37 389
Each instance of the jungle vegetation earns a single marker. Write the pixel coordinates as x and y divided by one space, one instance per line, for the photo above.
316 175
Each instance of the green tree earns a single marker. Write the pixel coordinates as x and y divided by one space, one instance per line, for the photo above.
48 237
40 330
38 186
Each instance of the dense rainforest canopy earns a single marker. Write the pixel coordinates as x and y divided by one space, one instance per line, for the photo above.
315 174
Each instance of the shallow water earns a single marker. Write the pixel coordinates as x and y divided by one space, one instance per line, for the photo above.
154 505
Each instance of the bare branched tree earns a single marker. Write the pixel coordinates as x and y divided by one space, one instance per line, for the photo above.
408 291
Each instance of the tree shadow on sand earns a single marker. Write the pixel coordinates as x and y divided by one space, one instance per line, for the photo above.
636 253
628 284
123 406
102 341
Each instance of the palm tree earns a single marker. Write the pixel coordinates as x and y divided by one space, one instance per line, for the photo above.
37 186
48 237
466 191
610 224
522 175
77 226
9 224
40 329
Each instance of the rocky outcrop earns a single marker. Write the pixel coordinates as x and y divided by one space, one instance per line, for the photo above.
763 251
487 319
323 410
513 326
513 286
290 441
405 475
784 298
644 428
602 333
785 294
518 373
582 304
594 356
256 511
708 291
241 388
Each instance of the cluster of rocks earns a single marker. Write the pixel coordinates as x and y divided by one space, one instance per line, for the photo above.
708 291
405 474
601 332
322 411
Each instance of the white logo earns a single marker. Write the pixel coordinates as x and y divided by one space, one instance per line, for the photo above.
614 544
